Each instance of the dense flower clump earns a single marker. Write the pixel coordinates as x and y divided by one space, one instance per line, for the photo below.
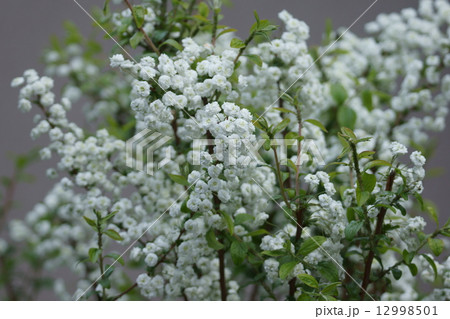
216 222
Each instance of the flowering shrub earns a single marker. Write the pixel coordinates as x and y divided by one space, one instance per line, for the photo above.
341 219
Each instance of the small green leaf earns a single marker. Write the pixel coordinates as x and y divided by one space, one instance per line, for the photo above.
352 229
113 234
255 59
258 232
106 9
90 222
328 270
397 273
172 43
274 253
407 256
228 221
361 197
225 31
203 9
368 182
212 240
331 289
179 179
366 97
237 43
318 124
436 245
109 216
432 264
287 268
281 126
375 163
366 154
136 39
308 280
139 14
311 244
116 257
243 218
94 253
338 93
346 117
430 208
413 269
238 252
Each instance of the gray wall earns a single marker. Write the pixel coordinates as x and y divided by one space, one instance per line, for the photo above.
27 24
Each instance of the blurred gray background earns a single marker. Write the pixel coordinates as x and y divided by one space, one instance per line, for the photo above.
26 26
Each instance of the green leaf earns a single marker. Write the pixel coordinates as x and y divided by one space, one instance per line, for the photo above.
94 253
255 59
397 273
311 244
366 154
346 117
368 182
407 256
328 270
352 229
90 222
113 234
172 43
136 39
212 240
366 97
238 252
432 264
338 93
274 253
225 31
237 43
413 269
430 208
375 163
139 14
228 221
318 124
331 289
116 257
280 126
203 9
308 280
109 216
258 232
179 179
361 197
242 218
287 268
106 9
436 245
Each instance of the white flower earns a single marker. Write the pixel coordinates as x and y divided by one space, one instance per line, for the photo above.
398 149
151 259
417 158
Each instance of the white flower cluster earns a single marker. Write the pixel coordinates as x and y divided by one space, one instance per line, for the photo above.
201 93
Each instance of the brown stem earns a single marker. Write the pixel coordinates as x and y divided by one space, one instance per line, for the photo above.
146 37
223 285
378 228
9 199
125 292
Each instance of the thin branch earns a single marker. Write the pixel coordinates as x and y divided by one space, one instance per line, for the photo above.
378 229
146 37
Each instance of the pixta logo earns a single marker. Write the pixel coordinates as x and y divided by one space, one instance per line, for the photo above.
141 147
